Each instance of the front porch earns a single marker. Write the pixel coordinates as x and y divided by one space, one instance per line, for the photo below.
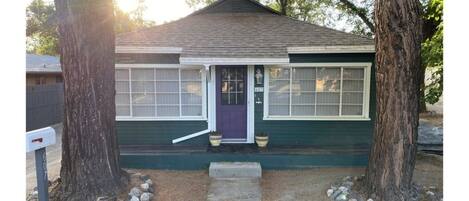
193 157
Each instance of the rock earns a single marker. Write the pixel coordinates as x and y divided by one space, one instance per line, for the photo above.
135 176
135 192
145 187
144 177
347 178
355 178
430 193
134 198
149 182
353 199
146 197
335 194
106 198
329 192
369 199
341 197
343 189
348 184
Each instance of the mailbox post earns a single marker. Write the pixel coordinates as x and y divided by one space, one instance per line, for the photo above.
37 141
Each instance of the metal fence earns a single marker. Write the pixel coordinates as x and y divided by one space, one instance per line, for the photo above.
44 105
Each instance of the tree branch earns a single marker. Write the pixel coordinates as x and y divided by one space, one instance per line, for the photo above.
360 12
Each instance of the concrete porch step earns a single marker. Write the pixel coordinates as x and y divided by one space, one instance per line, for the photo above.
235 170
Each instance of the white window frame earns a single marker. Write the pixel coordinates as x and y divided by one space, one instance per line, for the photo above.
167 66
366 94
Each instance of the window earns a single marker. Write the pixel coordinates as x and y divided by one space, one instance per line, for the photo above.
155 93
302 92
232 86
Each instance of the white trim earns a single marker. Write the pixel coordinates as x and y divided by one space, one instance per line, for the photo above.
250 104
318 118
366 99
233 61
161 119
193 135
332 49
156 66
147 49
213 97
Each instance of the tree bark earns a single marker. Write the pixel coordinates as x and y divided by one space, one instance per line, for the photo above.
392 158
90 154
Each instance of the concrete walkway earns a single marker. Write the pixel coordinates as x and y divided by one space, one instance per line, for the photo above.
235 182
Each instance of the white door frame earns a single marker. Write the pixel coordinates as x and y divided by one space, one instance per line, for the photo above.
212 104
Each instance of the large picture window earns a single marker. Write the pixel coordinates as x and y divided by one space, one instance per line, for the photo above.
157 93
305 92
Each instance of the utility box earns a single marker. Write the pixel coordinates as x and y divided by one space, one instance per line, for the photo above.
39 138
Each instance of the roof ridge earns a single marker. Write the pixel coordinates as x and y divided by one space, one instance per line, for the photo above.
218 2
324 27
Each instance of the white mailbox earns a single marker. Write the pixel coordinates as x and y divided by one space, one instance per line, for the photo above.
39 138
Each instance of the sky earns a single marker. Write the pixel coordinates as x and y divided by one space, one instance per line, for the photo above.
159 11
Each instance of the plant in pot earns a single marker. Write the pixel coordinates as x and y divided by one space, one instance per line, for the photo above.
215 138
262 139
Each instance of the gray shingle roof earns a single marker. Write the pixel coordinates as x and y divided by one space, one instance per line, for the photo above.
235 34
42 64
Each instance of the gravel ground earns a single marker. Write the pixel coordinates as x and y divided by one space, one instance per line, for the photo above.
177 185
282 185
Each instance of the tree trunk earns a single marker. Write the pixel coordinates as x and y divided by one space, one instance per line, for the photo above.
392 158
90 154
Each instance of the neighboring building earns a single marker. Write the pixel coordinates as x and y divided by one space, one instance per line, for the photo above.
241 68
42 69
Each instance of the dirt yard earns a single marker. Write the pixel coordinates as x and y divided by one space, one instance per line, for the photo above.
299 185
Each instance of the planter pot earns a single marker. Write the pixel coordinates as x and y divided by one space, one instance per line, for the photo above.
215 140
262 141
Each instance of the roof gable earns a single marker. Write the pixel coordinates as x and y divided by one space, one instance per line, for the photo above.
235 6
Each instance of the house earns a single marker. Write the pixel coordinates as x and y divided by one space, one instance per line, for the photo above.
241 68
42 69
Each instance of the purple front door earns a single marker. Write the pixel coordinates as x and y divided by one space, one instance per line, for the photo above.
231 101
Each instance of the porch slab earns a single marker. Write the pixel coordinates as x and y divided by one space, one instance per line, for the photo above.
234 189
235 170
272 157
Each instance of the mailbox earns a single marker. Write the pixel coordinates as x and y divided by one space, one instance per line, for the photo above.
39 138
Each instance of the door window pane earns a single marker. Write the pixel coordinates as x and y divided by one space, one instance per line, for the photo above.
232 86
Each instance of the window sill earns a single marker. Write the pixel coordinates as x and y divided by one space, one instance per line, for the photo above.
316 118
160 119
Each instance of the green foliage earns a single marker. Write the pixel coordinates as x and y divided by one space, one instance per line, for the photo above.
41 28
432 52
41 25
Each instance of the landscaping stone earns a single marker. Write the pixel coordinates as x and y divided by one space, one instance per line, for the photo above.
144 177
146 196
149 182
134 198
341 197
135 192
353 199
329 192
145 187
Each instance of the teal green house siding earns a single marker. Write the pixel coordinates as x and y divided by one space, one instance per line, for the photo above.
320 133
159 132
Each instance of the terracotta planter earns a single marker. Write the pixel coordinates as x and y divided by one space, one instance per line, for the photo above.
215 140
262 141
